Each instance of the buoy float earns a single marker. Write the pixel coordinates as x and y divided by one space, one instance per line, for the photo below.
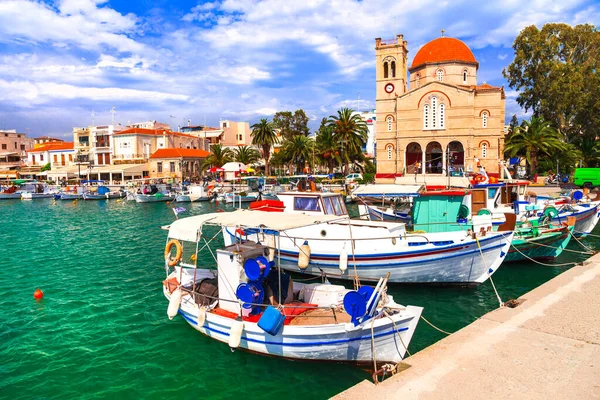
343 260
304 256
201 316
235 333
38 294
174 303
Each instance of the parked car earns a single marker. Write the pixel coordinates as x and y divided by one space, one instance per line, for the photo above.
587 177
351 178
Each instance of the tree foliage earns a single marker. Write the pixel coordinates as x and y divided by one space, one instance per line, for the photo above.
246 155
350 132
264 136
298 151
555 71
291 124
219 155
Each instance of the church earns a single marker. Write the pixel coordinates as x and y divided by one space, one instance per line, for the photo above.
440 121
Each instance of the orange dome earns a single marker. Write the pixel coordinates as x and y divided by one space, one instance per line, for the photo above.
444 49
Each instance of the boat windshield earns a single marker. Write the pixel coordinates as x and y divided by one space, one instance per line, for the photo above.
334 205
306 204
328 206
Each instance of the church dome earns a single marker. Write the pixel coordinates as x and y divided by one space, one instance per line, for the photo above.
441 50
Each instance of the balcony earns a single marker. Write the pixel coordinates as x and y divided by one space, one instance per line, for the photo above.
102 143
130 158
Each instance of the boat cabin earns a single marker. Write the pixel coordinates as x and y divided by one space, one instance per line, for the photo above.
313 203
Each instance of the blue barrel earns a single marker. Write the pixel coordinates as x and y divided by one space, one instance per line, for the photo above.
250 293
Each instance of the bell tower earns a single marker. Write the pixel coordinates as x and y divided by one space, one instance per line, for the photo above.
390 76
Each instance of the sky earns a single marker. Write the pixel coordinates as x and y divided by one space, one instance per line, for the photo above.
177 60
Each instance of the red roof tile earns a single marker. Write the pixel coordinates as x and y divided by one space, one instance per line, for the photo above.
179 153
52 147
154 132
444 49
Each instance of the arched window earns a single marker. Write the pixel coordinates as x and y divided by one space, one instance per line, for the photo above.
484 119
418 80
465 76
440 75
434 114
484 146
389 123
390 151
393 69
385 69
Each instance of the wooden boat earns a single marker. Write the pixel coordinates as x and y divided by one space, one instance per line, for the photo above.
10 193
323 322
154 198
533 242
193 193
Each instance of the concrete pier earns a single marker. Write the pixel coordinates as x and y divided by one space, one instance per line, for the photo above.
546 348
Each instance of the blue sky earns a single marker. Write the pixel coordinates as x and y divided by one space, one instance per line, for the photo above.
174 60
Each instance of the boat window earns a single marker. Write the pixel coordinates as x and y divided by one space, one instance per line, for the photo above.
522 190
337 205
492 192
306 204
328 206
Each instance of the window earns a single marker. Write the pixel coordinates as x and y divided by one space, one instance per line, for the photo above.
16 147
385 69
159 166
107 158
3 146
440 75
434 114
390 151
70 157
418 80
240 137
484 119
465 76
62 159
55 158
484 150
100 159
41 157
306 204
22 147
393 69
172 166
328 206
389 123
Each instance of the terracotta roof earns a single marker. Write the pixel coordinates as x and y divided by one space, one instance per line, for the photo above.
485 86
154 132
179 153
53 147
444 49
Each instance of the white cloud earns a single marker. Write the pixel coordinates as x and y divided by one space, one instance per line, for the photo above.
502 56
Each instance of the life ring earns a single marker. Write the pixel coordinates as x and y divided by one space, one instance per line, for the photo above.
479 178
178 252
484 211
550 212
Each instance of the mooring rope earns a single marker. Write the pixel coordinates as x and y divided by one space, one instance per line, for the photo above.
555 248
487 269
587 234
579 241
434 327
539 262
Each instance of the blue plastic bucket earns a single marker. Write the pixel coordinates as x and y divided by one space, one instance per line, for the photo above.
256 268
250 293
271 321
355 302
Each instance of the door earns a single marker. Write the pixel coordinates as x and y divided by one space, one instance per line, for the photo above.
478 200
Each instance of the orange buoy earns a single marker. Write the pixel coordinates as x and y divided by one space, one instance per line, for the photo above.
38 294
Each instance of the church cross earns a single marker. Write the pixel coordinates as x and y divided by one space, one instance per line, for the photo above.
443 30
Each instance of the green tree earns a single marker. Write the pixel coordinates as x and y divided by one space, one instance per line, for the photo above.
533 139
219 155
351 133
46 167
327 148
555 71
298 151
264 136
291 124
246 155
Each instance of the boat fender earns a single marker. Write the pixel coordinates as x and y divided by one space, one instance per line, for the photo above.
174 303
235 333
201 316
178 253
271 246
343 260
304 256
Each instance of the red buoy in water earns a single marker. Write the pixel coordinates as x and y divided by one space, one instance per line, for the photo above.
38 294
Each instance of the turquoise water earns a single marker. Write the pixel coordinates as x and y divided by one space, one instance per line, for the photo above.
101 330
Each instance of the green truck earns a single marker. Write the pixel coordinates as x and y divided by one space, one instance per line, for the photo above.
587 177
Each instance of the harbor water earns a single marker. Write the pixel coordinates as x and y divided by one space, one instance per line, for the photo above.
101 330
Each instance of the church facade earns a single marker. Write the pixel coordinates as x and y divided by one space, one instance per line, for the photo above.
439 122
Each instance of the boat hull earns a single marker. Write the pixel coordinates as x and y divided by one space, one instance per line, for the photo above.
153 198
331 342
107 196
548 246
190 198
10 196
70 196
587 218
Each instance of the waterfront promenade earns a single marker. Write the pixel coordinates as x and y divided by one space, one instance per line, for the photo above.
546 348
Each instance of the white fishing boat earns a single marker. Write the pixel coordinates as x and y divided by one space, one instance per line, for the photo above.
36 190
193 193
370 249
10 193
316 322
154 198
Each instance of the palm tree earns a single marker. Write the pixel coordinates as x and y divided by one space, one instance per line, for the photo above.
246 155
350 132
327 148
533 139
219 155
298 150
264 136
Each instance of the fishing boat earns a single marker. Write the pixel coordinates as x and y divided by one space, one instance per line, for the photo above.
193 193
31 190
70 193
10 193
154 198
316 322
119 194
373 248
534 242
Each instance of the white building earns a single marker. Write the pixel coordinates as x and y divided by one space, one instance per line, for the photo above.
370 118
102 143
